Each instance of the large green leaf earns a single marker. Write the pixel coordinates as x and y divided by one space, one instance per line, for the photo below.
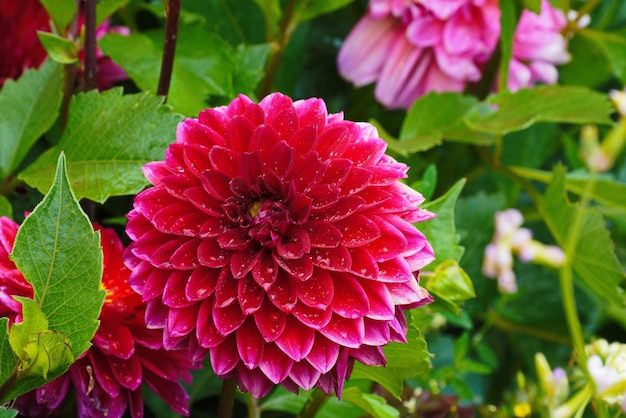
60 255
108 138
441 231
613 46
375 406
61 11
29 107
404 360
595 263
508 112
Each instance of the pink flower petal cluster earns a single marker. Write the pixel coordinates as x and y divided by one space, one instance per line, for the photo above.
107 379
410 48
278 238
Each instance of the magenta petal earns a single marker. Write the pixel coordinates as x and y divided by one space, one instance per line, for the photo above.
114 339
376 332
233 239
226 289
350 299
304 140
300 269
337 259
311 317
409 294
186 256
206 331
214 227
294 244
156 314
195 157
300 208
343 208
345 332
201 283
253 381
284 122
306 170
333 142
149 202
322 234
216 121
323 355
304 375
283 293
296 339
103 373
380 300
395 270
228 319
224 357
357 230
239 133
390 243
242 261
250 295
211 255
172 393
357 180
279 160
201 200
250 344
363 264
318 291
265 270
263 139
225 160
275 364
216 184
181 321
369 355
270 321
337 171
127 372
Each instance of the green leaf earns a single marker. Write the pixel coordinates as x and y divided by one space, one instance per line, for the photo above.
441 231
508 22
60 255
310 9
105 8
449 285
508 112
606 191
249 62
29 107
613 46
404 361
533 5
61 50
108 138
374 405
61 11
8 360
427 184
7 413
595 263
5 207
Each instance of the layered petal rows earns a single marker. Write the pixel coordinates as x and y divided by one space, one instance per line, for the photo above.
106 380
278 239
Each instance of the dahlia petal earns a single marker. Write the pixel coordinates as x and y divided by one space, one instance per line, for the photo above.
306 171
254 113
304 140
240 132
263 139
201 283
176 185
201 200
186 256
318 291
323 196
376 332
337 171
296 339
206 331
135 403
216 184
103 373
172 342
343 370
398 327
114 339
409 293
156 314
363 264
299 209
195 157
396 270
369 355
224 356
270 321
323 355
181 321
157 248
304 375
357 180
215 120
294 244
326 383
265 270
390 244
214 227
250 344
225 160
155 171
226 289
357 230
158 364
275 364
275 102
333 141
344 207
171 392
251 167
228 319
344 331
380 300
350 299
155 283
194 131
311 112
337 259
150 201
126 371
250 295
244 260
283 293
312 317
238 106
322 234
179 218
211 255
285 123
253 381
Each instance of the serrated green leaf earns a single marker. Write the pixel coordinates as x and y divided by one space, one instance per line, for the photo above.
108 138
595 263
449 285
5 207
29 107
375 406
441 232
613 46
61 50
508 112
606 191
60 255
61 11
404 361
105 8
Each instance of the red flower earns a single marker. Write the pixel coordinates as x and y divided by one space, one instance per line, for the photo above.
279 238
108 377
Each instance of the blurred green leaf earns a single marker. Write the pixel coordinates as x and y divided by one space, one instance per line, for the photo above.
595 263
374 406
5 207
427 184
585 54
404 361
310 9
613 46
8 360
508 21
61 50
533 5
29 107
7 413
61 11
440 231
508 112
249 64
272 13
105 8
449 285
606 191
108 138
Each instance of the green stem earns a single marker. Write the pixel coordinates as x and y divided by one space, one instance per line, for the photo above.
227 398
316 401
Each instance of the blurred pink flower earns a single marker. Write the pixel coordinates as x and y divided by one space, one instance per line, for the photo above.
538 46
278 238
106 379
410 48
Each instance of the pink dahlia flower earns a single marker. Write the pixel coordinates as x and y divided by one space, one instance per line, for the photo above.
106 380
278 237
412 47
538 46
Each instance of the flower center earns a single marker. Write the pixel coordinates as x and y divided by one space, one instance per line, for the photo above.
269 221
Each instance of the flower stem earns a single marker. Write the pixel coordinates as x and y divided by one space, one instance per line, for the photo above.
227 398
172 14
316 401
91 62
